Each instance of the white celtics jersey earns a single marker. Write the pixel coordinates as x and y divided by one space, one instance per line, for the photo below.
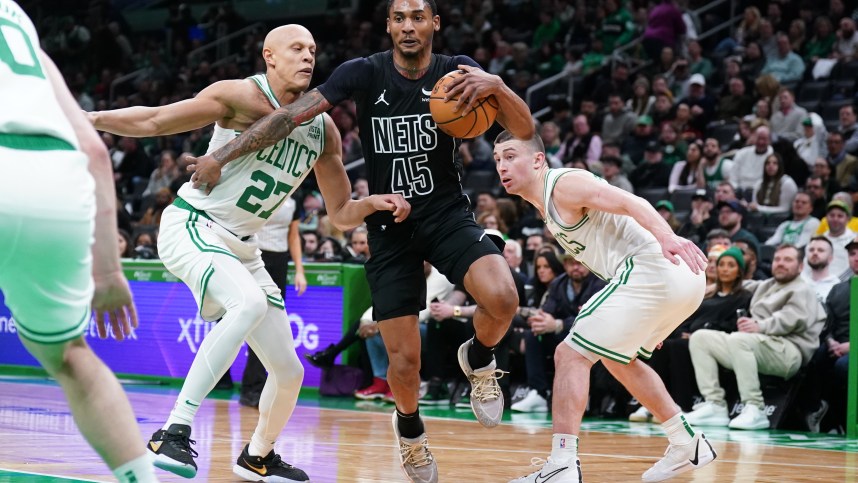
29 105
601 241
254 186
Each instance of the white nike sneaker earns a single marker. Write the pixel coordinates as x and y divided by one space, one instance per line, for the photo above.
750 418
417 461
681 458
553 472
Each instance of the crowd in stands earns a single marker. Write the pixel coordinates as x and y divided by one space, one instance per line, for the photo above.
745 141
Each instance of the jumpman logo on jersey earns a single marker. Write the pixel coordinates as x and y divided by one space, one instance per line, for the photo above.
381 98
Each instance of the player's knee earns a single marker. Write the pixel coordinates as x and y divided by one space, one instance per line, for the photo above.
63 360
253 305
500 301
403 364
566 357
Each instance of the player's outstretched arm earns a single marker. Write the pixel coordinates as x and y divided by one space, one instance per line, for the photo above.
263 133
346 213
211 104
513 114
112 296
584 190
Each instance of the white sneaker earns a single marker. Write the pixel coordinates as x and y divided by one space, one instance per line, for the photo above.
417 461
751 417
640 416
553 472
486 395
532 403
681 458
708 414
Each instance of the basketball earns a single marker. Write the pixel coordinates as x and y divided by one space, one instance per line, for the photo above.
462 125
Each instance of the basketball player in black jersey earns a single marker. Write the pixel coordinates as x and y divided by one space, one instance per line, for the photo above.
407 154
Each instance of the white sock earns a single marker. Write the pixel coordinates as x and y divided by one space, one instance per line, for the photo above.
564 447
258 446
138 470
678 430
183 412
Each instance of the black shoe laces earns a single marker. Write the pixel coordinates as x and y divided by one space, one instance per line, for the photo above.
181 443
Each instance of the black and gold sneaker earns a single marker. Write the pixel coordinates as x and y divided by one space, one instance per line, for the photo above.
270 469
173 452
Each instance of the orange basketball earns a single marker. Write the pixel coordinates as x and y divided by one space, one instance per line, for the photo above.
462 125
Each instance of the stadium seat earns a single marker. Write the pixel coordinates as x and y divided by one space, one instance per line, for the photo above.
681 199
653 195
812 93
841 89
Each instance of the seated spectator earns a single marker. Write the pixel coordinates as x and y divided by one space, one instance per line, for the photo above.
812 142
777 338
714 251
846 47
163 199
748 162
358 246
845 165
309 245
753 268
801 228
826 381
730 215
634 144
753 60
775 192
785 65
652 172
786 122
583 144
666 210
716 168
641 103
821 43
695 229
145 247
612 170
618 122
819 254
360 189
849 128
701 104
548 326
550 134
839 213
843 196
126 250
687 175
492 221
164 175
330 250
673 146
737 103
717 312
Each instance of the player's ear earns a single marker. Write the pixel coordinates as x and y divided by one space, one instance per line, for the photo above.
538 160
436 21
388 25
268 55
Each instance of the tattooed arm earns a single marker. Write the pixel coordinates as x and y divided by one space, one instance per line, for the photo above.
263 133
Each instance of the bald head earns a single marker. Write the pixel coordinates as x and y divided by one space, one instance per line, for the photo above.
290 56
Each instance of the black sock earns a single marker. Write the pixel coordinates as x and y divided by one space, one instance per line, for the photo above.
480 356
409 425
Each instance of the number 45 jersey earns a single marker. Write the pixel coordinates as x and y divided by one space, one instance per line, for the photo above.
254 186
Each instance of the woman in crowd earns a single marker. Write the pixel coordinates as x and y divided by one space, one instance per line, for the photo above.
775 192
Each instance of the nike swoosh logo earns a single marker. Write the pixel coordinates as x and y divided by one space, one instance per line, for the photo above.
261 470
425 92
155 445
540 477
696 454
189 403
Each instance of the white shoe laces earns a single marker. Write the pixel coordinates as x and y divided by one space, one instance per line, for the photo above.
416 454
486 385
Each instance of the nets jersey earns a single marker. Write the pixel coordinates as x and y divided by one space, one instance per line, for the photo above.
252 187
29 105
601 241
405 152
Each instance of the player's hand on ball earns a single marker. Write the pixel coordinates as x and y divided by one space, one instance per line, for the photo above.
400 207
474 85
112 298
206 172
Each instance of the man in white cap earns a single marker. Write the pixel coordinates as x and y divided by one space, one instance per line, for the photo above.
701 104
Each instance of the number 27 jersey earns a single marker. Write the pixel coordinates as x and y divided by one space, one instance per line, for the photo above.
252 187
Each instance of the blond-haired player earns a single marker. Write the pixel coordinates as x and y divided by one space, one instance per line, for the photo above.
655 281
207 239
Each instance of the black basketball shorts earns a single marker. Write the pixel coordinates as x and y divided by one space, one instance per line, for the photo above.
450 240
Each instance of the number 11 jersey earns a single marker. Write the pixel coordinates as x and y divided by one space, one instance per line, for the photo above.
252 187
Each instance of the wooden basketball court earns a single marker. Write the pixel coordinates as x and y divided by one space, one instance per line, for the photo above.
39 442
